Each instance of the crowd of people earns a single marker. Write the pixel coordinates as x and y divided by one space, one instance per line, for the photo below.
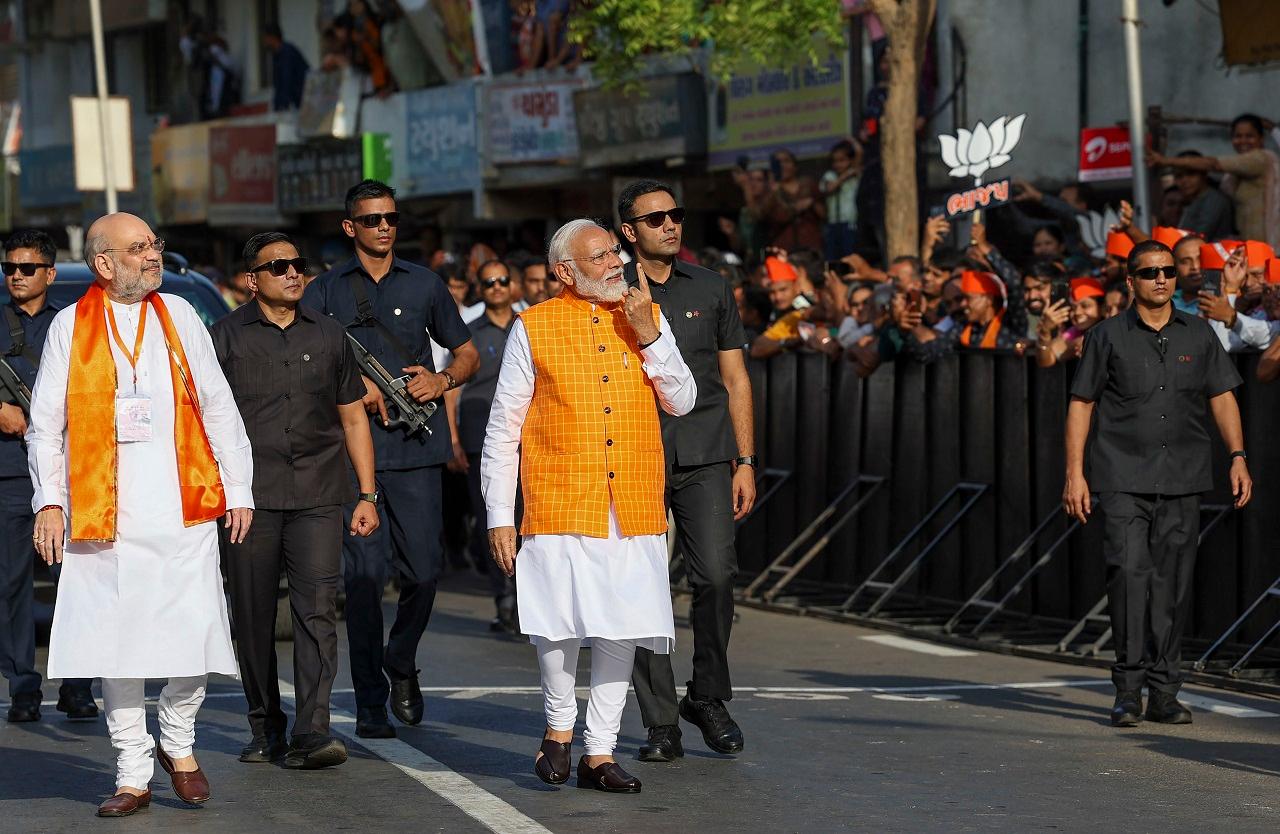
806 281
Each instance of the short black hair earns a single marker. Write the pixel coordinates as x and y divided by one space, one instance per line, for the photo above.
917 265
1185 238
1253 119
636 190
272 30
810 261
844 146
254 246
367 190
33 239
947 259
1144 248
1054 231
491 262
1189 152
1046 271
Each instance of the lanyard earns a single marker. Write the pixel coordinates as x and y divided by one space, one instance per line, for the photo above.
137 342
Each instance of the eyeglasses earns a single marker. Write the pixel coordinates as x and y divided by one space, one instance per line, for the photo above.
1151 273
140 247
373 221
658 219
279 267
9 267
598 257
504 281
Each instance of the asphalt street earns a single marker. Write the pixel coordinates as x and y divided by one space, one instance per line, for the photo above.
847 729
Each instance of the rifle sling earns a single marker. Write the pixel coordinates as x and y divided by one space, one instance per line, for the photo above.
365 318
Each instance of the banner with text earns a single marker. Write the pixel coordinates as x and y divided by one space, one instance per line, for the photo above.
1105 154
242 175
531 121
803 108
440 133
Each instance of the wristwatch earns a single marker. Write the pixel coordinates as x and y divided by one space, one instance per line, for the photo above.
748 460
371 497
448 379
1239 453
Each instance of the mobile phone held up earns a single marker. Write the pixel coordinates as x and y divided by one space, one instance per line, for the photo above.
1212 282
1060 291
915 300
842 270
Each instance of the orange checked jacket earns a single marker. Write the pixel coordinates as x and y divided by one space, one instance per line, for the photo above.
591 435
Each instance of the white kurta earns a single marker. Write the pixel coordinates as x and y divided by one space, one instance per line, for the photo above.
578 586
150 604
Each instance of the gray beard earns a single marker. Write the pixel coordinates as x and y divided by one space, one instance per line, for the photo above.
130 289
596 289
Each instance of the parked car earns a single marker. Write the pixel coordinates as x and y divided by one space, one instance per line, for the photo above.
74 278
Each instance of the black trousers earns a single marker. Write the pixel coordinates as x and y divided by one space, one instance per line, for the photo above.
17 560
17 577
1150 546
502 587
408 540
701 499
307 544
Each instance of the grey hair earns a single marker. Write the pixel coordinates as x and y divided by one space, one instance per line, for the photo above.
94 246
558 248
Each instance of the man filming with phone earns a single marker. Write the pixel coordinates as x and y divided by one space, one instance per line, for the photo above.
1217 302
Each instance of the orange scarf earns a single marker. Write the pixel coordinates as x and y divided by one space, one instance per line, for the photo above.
988 340
91 420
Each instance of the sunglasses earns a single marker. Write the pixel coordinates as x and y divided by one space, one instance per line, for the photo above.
9 267
504 281
279 267
1151 273
373 221
658 219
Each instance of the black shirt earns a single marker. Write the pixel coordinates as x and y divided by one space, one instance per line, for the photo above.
288 384
700 307
414 304
476 398
13 452
1152 390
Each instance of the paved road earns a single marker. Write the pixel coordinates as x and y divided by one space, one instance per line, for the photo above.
847 730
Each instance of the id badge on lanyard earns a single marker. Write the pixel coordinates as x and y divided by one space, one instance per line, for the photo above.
133 410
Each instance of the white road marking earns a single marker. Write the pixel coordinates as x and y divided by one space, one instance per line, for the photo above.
886 696
437 777
895 641
1223 707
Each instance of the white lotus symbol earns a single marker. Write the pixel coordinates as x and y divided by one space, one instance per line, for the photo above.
1094 228
971 154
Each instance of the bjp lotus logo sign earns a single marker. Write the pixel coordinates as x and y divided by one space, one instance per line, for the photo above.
972 153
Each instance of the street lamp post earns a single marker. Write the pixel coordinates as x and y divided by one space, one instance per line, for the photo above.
100 71
1137 114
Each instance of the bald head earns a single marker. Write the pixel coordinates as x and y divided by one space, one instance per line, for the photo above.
121 251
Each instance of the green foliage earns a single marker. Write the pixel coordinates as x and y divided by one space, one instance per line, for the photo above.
616 34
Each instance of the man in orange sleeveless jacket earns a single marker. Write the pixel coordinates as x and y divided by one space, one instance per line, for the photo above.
575 405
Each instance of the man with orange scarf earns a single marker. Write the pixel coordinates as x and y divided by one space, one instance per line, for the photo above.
135 440
995 318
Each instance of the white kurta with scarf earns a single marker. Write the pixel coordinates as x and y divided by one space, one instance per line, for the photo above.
571 586
150 604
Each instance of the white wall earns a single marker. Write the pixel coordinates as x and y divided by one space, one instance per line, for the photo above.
1023 57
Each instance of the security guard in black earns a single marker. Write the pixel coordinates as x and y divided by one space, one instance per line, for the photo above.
1153 375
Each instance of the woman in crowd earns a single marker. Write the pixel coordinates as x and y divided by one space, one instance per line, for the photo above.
1252 178
795 210
1085 310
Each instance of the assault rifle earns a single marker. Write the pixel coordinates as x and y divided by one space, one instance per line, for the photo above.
403 411
12 388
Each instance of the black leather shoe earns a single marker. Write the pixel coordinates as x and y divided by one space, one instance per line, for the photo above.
77 703
1127 711
553 767
371 722
663 745
719 731
608 777
406 700
1164 708
314 751
264 749
24 708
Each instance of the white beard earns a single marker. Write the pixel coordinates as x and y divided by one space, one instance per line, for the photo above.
598 289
